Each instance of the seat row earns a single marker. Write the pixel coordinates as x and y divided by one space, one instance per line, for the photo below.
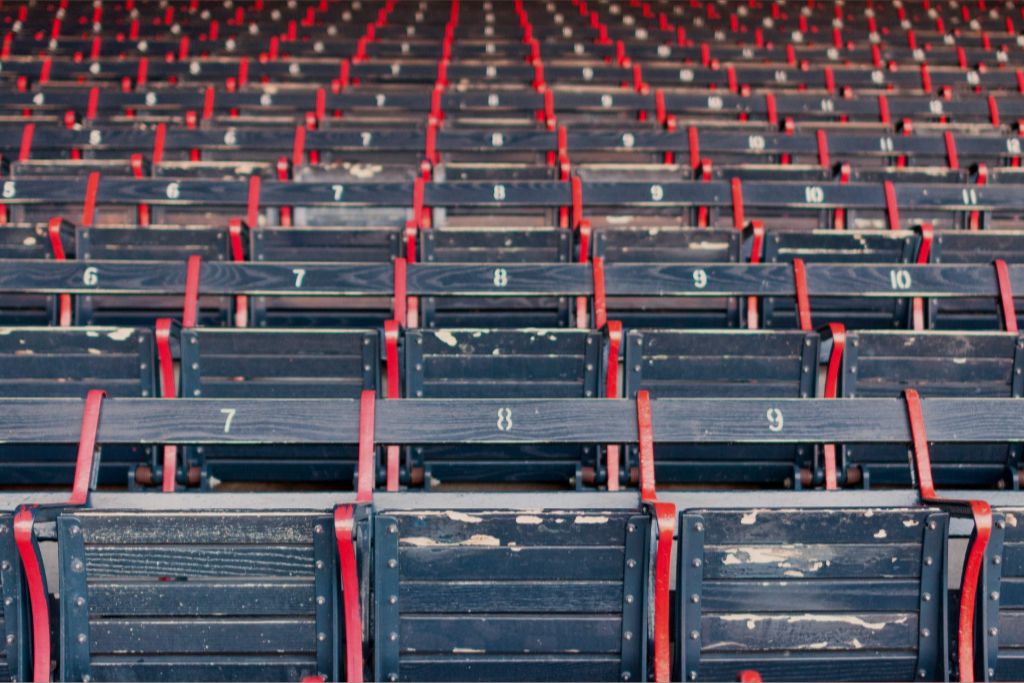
474 363
436 586
100 200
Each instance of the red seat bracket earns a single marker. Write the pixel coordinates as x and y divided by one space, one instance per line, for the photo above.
665 514
1006 296
803 301
391 330
979 511
612 391
57 244
32 564
366 467
924 252
235 230
167 390
892 209
190 311
600 303
344 528
400 303
835 364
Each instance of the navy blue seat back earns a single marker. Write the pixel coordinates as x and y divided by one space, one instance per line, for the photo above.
859 593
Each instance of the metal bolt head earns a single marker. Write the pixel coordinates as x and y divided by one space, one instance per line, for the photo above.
392 599
3 529
8 602
628 635
927 597
10 637
696 563
993 632
626 676
392 677
694 635
79 601
933 526
77 565
5 566
393 529
921 673
321 600
392 636
695 599
392 563
629 599
75 530
929 561
693 675
925 633
631 563
321 637
631 528
997 560
1001 524
698 527
994 595
82 638
319 564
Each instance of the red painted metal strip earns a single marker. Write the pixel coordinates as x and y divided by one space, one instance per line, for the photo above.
167 390
191 308
600 303
923 255
952 159
980 512
1006 296
645 440
344 528
665 514
749 676
87 447
89 208
883 109
823 156
577 201
299 146
53 231
756 250
892 209
694 142
367 467
252 210
235 230
835 363
400 302
25 151
31 562
770 106
803 301
737 204
418 210
159 140
612 452
394 391
993 111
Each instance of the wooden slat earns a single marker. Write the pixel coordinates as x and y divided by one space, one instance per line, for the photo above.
821 561
812 632
201 636
474 563
202 598
515 634
457 597
191 561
